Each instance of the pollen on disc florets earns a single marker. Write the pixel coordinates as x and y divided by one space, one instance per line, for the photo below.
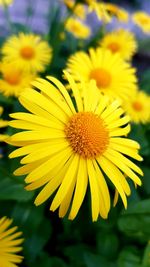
87 134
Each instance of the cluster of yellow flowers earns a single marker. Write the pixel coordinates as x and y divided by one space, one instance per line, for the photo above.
23 57
105 12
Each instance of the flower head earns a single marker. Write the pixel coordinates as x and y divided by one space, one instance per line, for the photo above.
138 108
13 80
69 144
118 12
27 52
77 28
142 19
10 244
120 41
113 76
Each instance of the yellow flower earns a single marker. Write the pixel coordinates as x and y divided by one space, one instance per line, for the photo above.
142 19
120 13
27 52
10 242
102 12
113 76
138 108
120 41
6 2
77 28
68 144
13 80
78 9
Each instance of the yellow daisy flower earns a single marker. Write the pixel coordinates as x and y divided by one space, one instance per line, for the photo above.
77 28
120 41
120 13
100 10
68 144
13 80
113 76
138 108
142 19
10 244
27 52
6 2
78 9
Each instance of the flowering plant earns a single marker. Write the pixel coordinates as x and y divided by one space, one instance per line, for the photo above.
75 110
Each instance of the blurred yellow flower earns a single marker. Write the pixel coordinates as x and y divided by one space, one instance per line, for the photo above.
114 77
6 2
138 108
68 144
77 28
78 9
120 41
13 80
3 123
10 244
142 19
118 12
101 11
27 51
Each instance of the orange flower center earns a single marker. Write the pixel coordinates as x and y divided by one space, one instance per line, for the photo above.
101 76
114 47
12 77
137 106
27 52
87 134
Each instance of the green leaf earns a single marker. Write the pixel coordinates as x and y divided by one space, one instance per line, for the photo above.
104 244
146 258
135 221
93 260
44 260
129 257
12 190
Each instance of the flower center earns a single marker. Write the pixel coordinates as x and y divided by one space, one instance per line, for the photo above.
101 76
87 134
137 106
114 47
27 52
12 77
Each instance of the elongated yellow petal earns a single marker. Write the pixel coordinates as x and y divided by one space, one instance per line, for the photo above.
44 103
123 167
66 184
95 201
53 183
42 153
37 120
53 94
76 92
48 165
125 142
113 173
63 92
120 131
80 189
133 153
102 187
